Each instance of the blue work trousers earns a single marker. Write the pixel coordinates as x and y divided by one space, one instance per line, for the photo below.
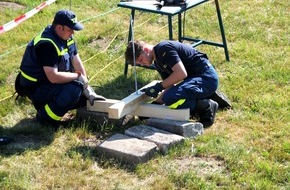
186 93
52 101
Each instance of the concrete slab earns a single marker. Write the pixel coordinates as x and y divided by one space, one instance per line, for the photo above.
163 139
127 149
183 128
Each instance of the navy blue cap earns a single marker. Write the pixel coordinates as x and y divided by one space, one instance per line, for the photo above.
67 18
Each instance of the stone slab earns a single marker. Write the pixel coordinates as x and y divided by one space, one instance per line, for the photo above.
163 139
183 128
127 149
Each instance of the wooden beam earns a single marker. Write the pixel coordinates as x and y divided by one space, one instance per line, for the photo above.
129 104
101 105
135 104
161 111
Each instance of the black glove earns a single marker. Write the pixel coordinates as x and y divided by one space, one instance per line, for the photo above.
153 90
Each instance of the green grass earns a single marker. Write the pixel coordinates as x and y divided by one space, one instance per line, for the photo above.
248 147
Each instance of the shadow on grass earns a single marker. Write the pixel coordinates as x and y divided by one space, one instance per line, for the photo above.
27 134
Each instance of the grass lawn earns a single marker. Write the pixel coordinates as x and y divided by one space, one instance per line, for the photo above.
248 147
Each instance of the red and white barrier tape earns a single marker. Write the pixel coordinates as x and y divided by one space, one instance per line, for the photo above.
21 18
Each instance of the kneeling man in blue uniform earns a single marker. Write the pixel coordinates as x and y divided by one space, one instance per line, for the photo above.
52 74
189 79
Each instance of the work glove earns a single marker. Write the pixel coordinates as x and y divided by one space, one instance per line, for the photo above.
91 95
153 90
84 80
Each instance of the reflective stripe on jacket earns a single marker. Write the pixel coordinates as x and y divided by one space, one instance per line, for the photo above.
32 71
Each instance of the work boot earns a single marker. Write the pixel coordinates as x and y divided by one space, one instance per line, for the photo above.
221 99
206 108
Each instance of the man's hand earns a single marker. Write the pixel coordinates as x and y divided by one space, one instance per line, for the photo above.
153 90
84 80
92 96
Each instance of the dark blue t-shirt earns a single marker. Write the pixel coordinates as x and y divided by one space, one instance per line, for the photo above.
169 53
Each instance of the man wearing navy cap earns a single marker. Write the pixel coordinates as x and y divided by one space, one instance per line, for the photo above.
68 18
52 74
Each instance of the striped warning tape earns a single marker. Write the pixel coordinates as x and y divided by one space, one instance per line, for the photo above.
21 18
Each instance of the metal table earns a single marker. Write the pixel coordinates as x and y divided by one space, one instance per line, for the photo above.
170 11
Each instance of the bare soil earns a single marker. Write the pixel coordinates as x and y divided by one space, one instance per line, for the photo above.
11 5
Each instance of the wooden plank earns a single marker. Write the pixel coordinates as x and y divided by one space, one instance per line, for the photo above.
135 104
161 111
129 104
101 105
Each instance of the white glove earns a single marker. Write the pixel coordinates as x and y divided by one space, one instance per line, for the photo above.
91 95
84 80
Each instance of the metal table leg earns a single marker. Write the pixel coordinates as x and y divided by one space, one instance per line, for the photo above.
129 39
222 30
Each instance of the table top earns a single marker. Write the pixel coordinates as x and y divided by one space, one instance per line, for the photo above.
148 6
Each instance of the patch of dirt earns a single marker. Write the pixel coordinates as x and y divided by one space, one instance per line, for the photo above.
11 5
100 43
202 165
93 141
